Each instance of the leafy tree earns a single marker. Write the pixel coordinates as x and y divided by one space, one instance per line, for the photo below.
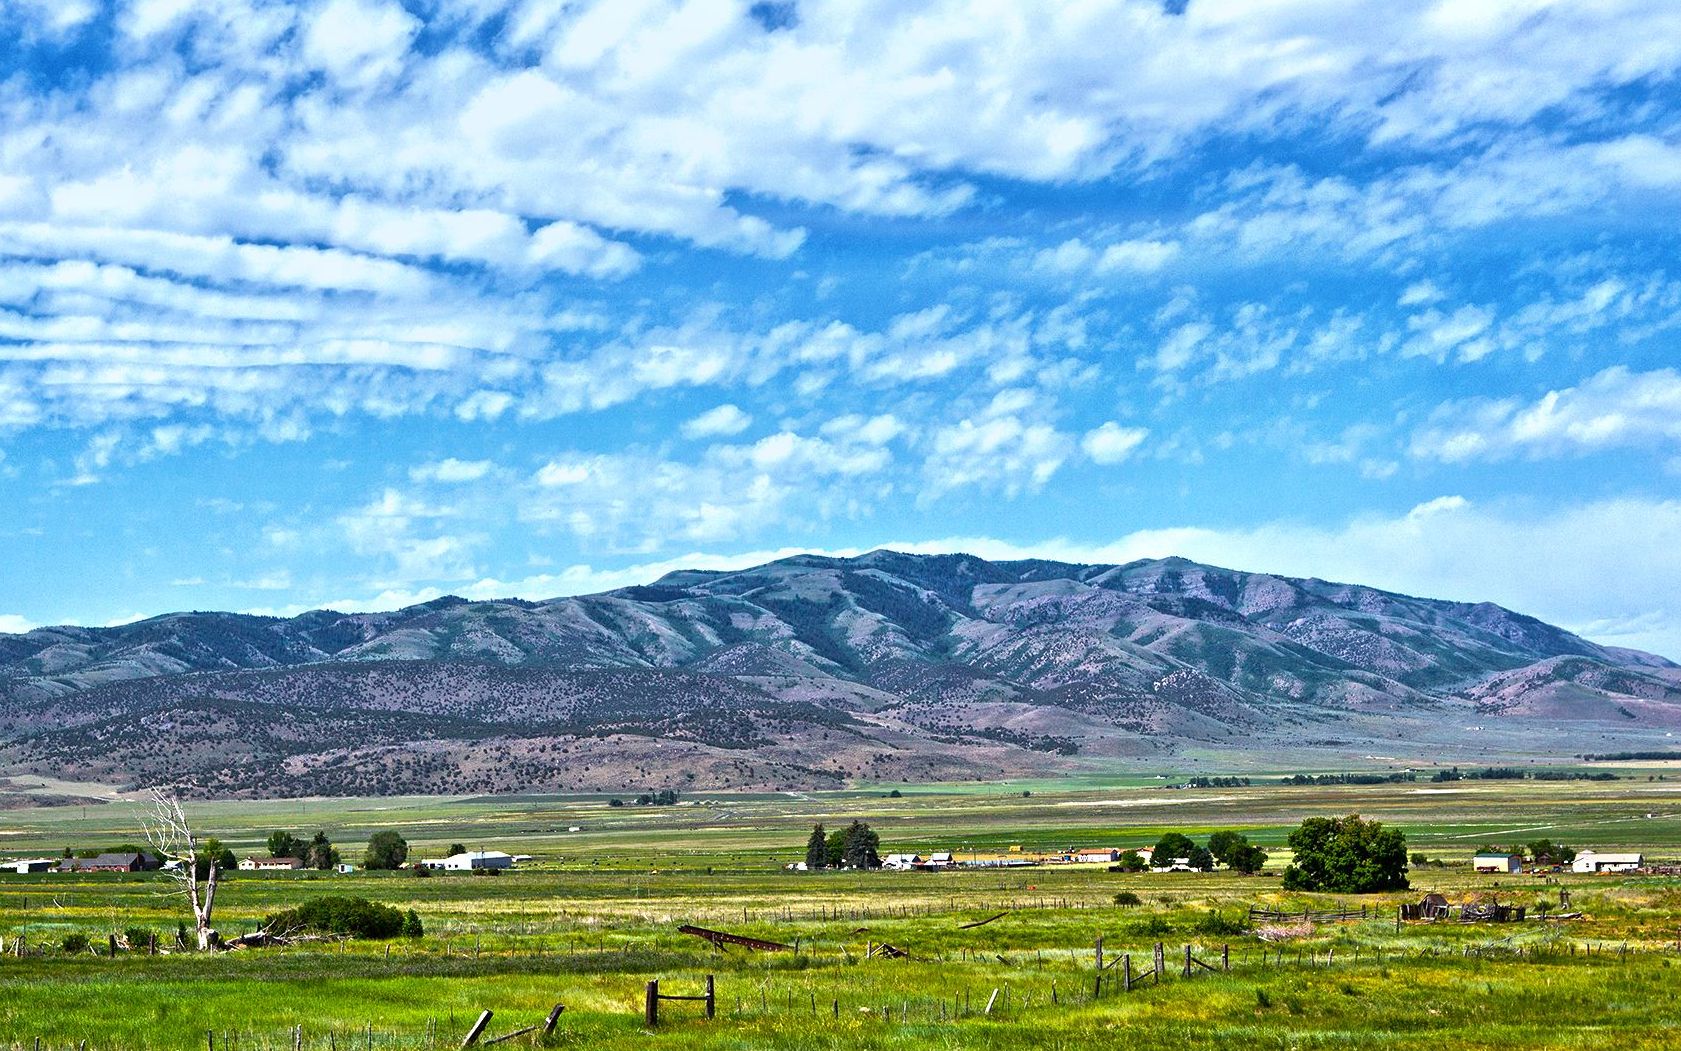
1171 845
1131 861
1346 855
1248 860
835 847
861 847
322 854
615 801
817 849
286 845
214 850
457 848
386 850
895 794
1225 843
1200 859
1546 852
412 927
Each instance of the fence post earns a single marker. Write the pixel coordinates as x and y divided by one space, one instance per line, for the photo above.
1225 957
1099 952
1161 962
477 1031
711 998
651 1004
554 1017
1126 972
1187 961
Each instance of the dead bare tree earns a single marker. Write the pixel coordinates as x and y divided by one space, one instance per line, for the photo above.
170 834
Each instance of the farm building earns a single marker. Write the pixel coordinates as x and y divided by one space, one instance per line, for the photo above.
941 859
1094 856
901 862
1502 863
26 865
133 862
1594 862
473 859
271 864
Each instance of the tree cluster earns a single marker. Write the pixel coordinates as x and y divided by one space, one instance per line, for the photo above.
316 852
857 846
347 916
1231 849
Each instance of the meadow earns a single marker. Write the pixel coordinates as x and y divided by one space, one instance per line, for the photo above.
594 916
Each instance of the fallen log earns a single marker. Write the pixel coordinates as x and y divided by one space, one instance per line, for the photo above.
719 939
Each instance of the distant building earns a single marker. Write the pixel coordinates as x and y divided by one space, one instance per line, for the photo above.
1089 856
344 867
901 862
1594 862
473 859
271 864
133 862
1501 863
24 866
941 859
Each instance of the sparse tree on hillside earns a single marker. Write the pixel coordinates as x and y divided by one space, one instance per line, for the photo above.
386 850
817 849
173 838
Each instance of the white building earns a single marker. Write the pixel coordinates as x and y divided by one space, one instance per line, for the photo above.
24 866
1593 862
941 859
1501 863
271 864
1102 855
901 862
473 859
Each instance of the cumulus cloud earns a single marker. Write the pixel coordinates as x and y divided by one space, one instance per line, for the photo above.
1614 408
1111 443
722 420
12 624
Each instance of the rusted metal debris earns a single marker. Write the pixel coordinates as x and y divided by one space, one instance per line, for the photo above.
891 952
720 939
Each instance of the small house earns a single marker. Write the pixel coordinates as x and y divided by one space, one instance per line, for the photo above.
941 859
344 868
1594 862
127 862
901 862
1505 864
271 864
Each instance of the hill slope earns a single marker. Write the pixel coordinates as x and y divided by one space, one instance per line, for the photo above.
816 671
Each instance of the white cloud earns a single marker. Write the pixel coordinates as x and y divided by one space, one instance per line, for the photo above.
724 419
12 624
1111 443
451 470
1613 408
359 41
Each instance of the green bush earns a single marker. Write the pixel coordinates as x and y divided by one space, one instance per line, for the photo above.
138 937
1214 923
75 941
1128 898
412 927
333 914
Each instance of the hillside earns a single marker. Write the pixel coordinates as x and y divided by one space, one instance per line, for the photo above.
816 671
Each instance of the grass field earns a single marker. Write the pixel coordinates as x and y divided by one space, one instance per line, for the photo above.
594 917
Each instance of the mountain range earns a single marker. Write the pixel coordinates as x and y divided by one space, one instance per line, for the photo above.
818 672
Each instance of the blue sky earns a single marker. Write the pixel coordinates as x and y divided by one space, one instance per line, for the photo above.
355 303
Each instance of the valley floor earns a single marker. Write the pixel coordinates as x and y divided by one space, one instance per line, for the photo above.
594 917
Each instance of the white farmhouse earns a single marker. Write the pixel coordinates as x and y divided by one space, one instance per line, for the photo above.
1593 862
1501 863
901 862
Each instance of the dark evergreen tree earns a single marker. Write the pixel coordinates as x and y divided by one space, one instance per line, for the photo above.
861 847
817 849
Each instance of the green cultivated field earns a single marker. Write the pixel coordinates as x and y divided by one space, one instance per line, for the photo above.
594 917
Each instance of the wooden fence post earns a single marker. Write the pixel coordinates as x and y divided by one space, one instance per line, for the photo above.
651 1004
477 1031
1225 957
1161 962
1187 961
711 998
553 1019
1099 952
1126 972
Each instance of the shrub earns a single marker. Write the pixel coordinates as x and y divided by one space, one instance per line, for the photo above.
1128 898
1262 999
75 941
1214 923
1154 926
332 914
138 937
412 927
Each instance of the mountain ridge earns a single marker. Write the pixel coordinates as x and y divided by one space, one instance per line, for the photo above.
923 665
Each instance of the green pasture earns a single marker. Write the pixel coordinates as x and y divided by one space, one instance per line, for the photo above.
594 916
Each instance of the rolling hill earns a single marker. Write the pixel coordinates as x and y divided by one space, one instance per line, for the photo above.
819 672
